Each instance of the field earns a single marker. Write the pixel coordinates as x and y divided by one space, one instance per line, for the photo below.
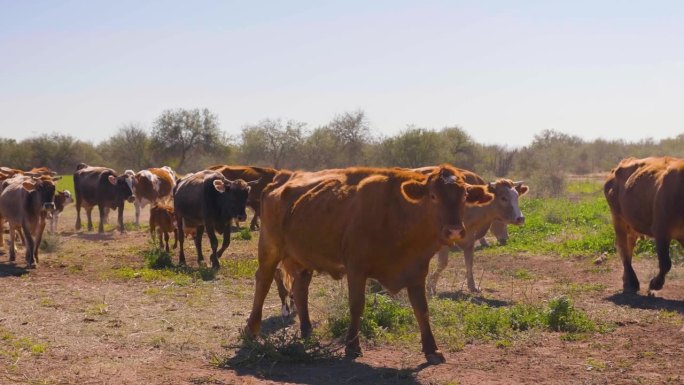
550 310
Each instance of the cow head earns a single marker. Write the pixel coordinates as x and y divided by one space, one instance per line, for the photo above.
63 198
233 196
506 194
124 187
449 194
44 188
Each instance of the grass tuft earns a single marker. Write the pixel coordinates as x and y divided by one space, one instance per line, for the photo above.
281 347
50 243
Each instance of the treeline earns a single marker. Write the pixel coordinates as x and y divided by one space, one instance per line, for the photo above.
189 140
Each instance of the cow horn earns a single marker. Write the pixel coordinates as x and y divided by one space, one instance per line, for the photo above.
31 174
491 185
519 183
56 177
254 182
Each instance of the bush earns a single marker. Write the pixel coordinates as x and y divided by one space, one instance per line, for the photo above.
156 258
50 243
561 316
244 234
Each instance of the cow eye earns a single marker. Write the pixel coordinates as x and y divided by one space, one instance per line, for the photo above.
504 199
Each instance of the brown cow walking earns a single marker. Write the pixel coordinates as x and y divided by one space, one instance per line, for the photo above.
646 197
364 223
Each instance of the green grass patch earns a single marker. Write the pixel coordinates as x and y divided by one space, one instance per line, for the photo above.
381 315
241 268
244 234
12 347
66 183
50 242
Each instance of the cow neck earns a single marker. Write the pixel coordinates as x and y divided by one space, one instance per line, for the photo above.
475 215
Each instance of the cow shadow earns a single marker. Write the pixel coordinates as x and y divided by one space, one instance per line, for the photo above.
10 269
646 302
275 323
95 236
476 299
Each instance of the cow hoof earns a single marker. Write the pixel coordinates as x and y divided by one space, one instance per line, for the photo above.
651 293
353 353
473 290
656 284
285 311
435 358
31 266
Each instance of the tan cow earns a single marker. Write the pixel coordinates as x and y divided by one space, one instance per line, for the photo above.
163 222
503 208
384 224
646 197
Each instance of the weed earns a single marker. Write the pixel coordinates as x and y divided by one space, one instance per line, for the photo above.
156 258
97 309
50 243
523 275
244 234
280 347
562 316
595 364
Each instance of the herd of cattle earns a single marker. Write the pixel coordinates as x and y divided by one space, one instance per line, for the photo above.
359 222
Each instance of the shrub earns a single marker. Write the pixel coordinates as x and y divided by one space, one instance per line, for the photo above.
50 243
156 258
381 315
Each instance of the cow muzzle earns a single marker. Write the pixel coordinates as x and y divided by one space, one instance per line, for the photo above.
452 234
131 199
242 218
519 221
49 206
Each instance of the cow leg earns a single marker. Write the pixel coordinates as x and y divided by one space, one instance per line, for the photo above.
419 304
254 224
625 241
357 298
300 289
469 255
180 238
225 243
664 264
78 212
268 263
198 245
213 242
136 204
175 238
166 241
89 214
442 262
120 218
483 242
12 248
283 293
2 233
160 235
30 246
100 228
39 235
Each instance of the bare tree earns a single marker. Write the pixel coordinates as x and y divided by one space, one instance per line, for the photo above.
271 141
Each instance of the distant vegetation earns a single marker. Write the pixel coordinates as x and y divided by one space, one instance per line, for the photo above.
190 140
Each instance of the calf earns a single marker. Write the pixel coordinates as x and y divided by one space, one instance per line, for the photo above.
207 200
646 197
25 202
163 222
62 199
477 219
104 188
150 186
364 223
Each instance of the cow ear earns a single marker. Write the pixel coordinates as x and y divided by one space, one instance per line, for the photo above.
112 179
220 186
478 195
521 189
413 191
29 186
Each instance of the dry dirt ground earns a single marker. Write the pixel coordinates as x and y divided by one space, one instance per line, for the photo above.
77 319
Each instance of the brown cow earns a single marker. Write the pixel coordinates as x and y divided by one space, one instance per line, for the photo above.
163 222
477 219
25 202
150 186
264 176
646 197
384 224
101 187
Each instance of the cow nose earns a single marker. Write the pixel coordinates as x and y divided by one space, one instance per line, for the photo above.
131 199
453 233
49 206
520 221
242 218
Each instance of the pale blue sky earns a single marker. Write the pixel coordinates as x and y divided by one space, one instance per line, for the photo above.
502 70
